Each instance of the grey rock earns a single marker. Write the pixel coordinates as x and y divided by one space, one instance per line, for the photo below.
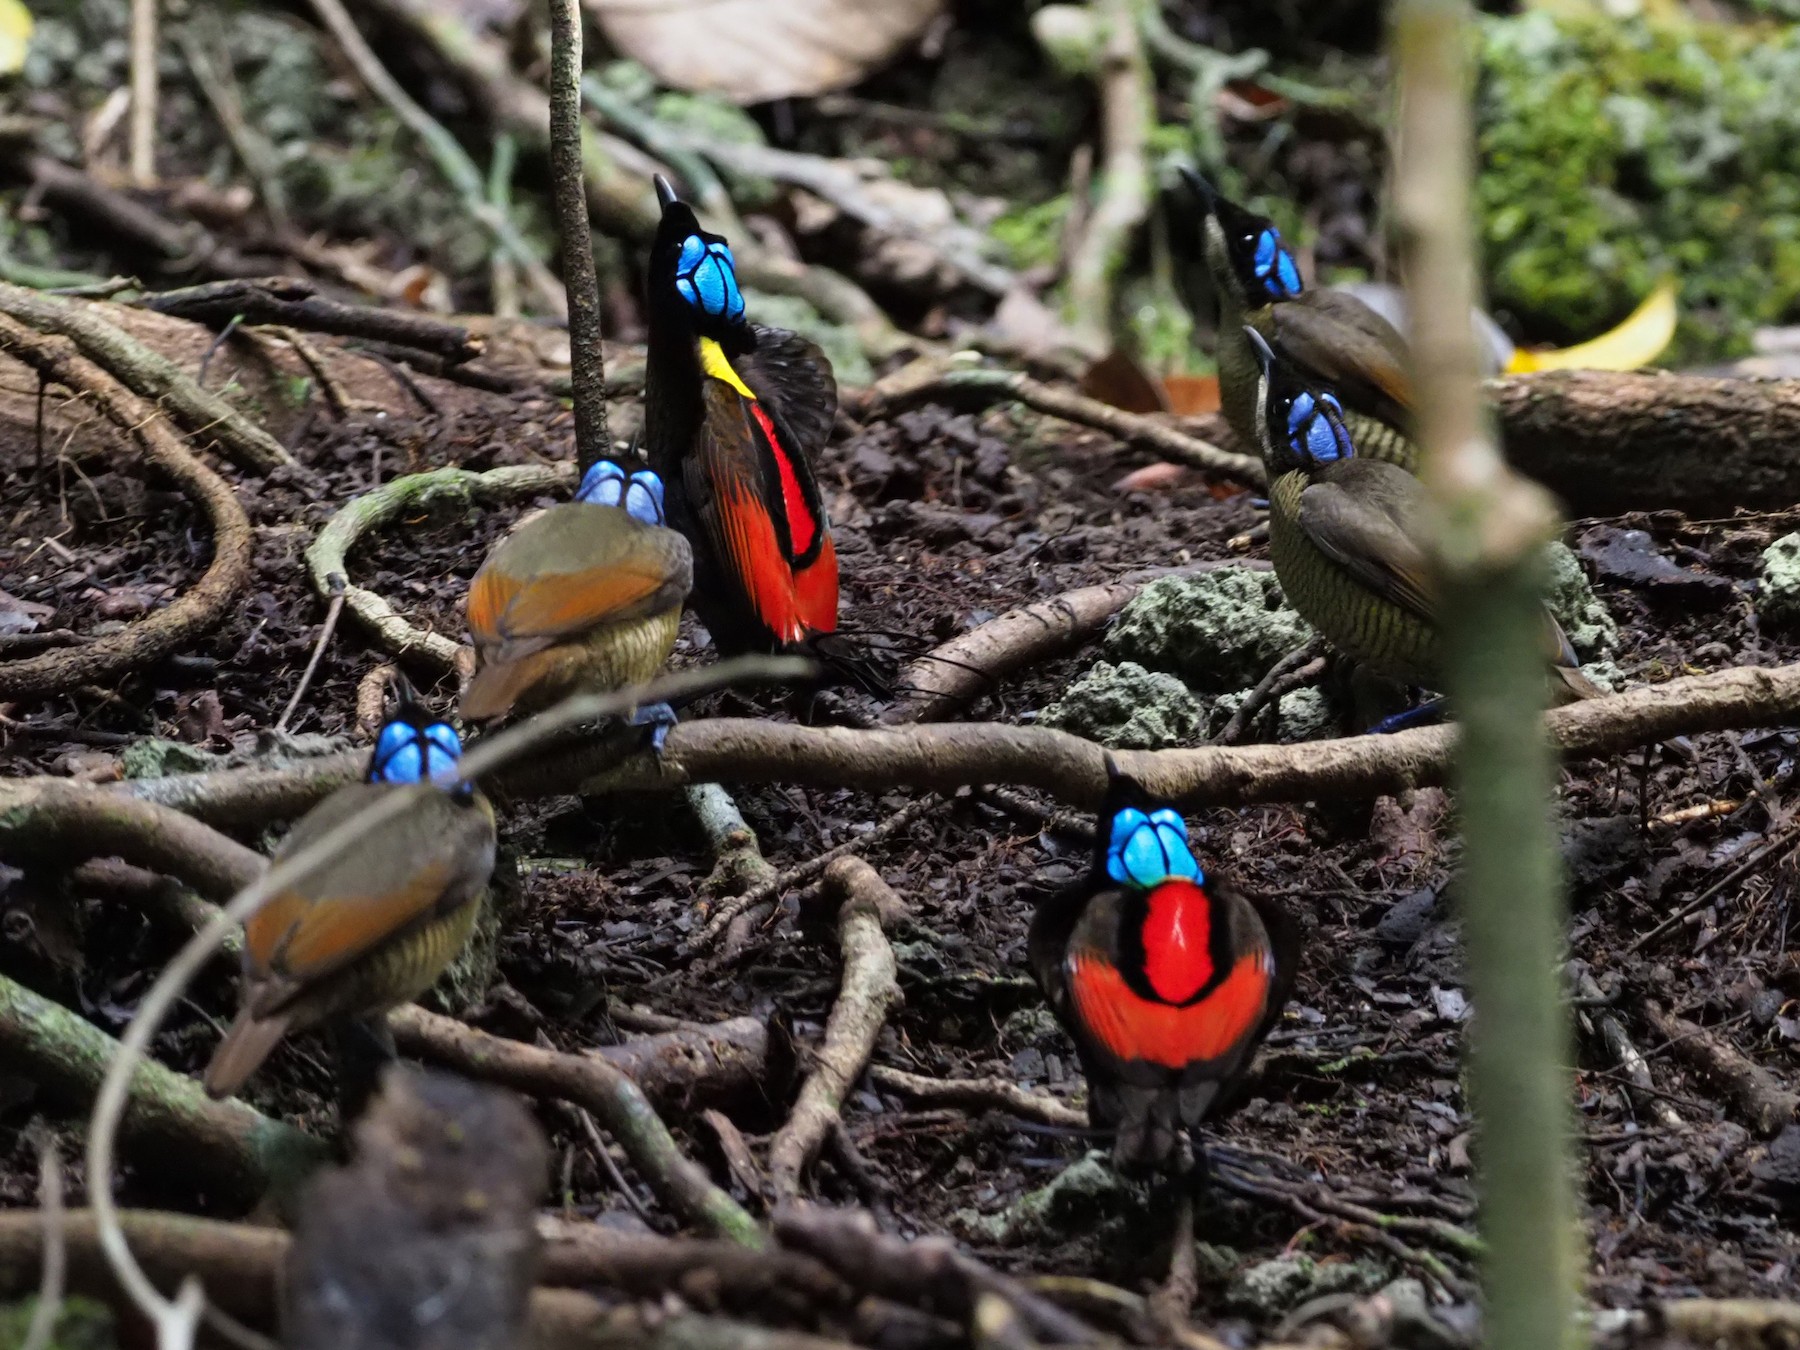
1591 629
1304 715
1778 598
1129 708
1219 630
1270 1288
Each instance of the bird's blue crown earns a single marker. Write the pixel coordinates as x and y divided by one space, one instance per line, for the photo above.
1147 850
1275 267
706 277
408 753
1316 429
607 484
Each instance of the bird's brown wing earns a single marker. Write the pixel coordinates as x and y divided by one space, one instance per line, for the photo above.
1368 518
434 857
1350 347
571 569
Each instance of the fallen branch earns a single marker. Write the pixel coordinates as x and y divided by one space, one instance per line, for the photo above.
979 1094
232 1151
1765 1105
199 609
955 381
54 820
325 558
683 1070
149 376
945 757
870 989
595 1084
292 303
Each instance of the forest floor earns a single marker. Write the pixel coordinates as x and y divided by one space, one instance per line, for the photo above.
943 519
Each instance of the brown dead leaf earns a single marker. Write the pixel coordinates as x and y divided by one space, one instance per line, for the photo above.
1192 395
752 51
1118 380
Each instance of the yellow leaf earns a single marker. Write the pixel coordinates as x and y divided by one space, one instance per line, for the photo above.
1638 341
15 35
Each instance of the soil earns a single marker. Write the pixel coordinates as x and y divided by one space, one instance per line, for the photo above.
943 519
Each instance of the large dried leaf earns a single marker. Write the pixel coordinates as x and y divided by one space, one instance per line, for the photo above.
756 50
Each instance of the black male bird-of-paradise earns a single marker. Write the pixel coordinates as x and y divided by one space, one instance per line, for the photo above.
1346 535
373 925
585 597
1167 978
1332 337
733 415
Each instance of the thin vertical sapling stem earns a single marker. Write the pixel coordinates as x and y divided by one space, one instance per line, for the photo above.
1491 529
587 362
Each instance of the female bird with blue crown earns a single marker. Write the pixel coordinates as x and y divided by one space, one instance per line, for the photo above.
1166 977
583 598
376 923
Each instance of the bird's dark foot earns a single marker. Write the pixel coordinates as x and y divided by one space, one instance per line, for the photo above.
1426 713
659 717
364 1047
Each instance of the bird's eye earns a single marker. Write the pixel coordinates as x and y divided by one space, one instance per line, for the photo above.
706 277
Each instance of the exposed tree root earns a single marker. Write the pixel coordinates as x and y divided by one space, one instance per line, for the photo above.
593 1083
948 756
979 1094
149 375
232 1150
870 988
956 381
198 610
325 559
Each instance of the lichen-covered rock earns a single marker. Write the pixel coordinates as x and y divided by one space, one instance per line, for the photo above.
1128 708
1219 630
1582 614
158 758
1304 715
1778 597
1615 152
1082 1197
1270 1288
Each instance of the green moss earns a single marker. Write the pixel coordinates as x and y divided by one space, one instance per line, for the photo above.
1218 630
81 1324
1129 708
1778 599
1032 235
1616 152
1583 615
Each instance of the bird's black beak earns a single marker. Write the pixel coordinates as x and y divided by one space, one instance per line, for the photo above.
665 194
1204 192
1264 357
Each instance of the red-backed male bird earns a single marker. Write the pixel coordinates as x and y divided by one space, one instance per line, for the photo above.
585 597
733 414
374 925
1166 978
1331 336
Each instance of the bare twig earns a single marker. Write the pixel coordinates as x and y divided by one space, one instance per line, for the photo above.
1766 1106
56 1245
587 359
1291 672
979 1094
292 303
200 608
326 629
144 83
1491 528
870 988
1126 116
956 380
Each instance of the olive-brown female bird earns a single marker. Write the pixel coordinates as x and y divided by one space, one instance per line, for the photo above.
585 597
1330 336
1347 536
374 925
1166 978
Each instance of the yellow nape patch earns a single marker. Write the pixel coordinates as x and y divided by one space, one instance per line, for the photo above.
715 363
